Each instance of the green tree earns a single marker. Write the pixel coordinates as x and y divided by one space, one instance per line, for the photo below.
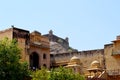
10 66
62 73
42 74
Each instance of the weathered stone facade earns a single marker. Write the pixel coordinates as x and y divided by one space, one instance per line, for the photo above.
39 45
35 48
57 44
86 58
36 51
112 59
108 58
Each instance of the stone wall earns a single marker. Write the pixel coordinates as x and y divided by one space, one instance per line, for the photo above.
40 45
86 58
57 44
22 37
6 33
25 40
112 60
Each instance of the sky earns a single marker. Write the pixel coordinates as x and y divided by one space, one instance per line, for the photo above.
89 24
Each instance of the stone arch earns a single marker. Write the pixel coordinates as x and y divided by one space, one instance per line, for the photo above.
34 60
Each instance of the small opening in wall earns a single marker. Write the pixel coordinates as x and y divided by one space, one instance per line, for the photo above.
44 65
44 56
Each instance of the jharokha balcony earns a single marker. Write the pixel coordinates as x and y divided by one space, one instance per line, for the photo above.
115 52
113 72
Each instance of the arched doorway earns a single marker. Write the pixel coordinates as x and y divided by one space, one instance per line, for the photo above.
34 60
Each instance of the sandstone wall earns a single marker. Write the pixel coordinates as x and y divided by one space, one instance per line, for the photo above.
41 46
6 33
86 58
112 61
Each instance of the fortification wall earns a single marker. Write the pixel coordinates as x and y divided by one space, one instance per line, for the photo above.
86 58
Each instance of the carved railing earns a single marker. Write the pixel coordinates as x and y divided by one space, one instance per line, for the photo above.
113 72
41 41
117 52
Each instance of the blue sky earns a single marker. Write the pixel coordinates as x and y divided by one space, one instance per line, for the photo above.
89 24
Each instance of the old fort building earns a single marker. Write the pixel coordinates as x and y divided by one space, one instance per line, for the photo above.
35 48
99 63
52 51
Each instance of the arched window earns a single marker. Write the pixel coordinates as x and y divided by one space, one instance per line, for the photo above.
44 56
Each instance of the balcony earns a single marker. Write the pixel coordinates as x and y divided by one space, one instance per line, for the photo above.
113 72
40 44
115 52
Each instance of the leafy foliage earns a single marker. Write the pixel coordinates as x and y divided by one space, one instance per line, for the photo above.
10 66
60 73
40 74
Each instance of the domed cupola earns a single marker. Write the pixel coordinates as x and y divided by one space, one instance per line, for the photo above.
95 64
75 60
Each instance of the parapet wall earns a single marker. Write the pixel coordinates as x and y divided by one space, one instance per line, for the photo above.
86 58
66 56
